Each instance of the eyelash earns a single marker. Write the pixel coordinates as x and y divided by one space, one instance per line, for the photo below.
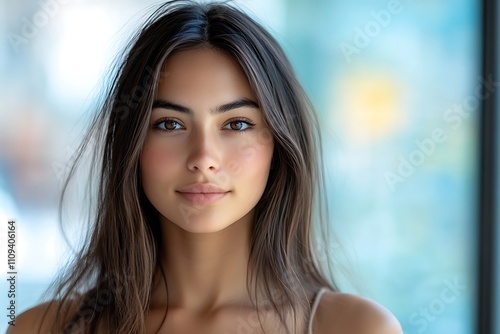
165 119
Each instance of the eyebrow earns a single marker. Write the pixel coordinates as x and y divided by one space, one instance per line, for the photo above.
240 103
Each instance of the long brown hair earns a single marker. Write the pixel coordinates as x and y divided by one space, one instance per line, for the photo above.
108 284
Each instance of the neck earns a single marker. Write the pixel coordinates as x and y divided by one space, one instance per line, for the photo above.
205 271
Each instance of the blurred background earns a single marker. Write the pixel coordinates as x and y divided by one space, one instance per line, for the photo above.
397 84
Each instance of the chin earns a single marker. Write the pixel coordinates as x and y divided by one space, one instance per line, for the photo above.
203 223
203 228
207 222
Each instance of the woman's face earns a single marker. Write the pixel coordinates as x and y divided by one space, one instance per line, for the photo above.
206 129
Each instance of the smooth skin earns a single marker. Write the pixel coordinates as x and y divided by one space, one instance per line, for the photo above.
206 246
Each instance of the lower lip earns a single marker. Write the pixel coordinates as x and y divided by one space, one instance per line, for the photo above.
203 199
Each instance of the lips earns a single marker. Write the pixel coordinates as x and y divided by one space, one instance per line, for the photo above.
202 193
205 188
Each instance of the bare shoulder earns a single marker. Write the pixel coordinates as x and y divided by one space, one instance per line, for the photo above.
37 319
347 313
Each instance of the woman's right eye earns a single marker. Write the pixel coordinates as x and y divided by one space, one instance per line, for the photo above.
167 125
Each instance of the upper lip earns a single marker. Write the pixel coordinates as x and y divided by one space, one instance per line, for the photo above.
202 188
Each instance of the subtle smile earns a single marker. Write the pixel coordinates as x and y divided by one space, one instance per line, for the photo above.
202 198
202 193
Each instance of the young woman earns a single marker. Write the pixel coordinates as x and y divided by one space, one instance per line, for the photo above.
210 187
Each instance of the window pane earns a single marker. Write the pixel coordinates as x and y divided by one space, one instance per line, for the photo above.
398 86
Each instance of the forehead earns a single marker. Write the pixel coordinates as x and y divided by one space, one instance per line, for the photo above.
203 73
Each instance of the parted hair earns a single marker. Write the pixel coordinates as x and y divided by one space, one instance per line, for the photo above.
107 285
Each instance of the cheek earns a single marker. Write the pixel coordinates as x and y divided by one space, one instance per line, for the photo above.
157 162
252 156
251 170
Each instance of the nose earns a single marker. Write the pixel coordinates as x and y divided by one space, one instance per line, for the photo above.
203 152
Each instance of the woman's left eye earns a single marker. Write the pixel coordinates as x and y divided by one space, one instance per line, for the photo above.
239 125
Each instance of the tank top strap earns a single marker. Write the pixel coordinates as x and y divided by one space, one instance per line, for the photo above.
314 307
